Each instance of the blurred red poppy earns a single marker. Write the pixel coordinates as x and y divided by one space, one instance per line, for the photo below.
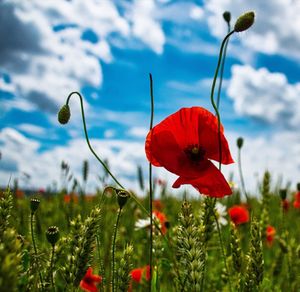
183 143
89 280
162 220
297 201
238 214
270 234
136 274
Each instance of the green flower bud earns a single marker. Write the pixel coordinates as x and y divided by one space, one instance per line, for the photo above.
283 194
64 114
244 21
298 187
227 16
34 205
52 234
240 142
122 197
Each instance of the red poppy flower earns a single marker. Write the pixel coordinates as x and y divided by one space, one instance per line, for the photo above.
238 214
270 234
183 143
162 220
296 204
89 280
136 274
297 200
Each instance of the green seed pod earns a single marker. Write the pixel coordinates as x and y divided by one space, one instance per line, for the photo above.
122 197
64 114
34 205
240 142
244 21
227 16
283 194
52 234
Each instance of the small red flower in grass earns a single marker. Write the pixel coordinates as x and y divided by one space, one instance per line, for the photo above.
270 234
238 214
162 220
136 274
88 283
184 143
297 201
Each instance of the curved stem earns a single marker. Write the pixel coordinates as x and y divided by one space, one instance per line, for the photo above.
95 154
222 70
150 187
35 249
113 249
241 175
212 95
51 267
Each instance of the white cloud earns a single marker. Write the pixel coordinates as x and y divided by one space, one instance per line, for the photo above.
276 28
32 129
144 25
138 132
265 96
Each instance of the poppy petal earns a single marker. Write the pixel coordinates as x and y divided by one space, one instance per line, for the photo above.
210 182
188 126
90 287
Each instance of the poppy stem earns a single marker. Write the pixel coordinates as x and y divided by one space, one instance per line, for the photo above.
51 266
150 187
222 69
35 250
222 245
114 248
212 95
97 157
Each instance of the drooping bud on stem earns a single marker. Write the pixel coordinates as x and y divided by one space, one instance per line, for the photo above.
227 16
240 142
52 235
244 21
64 114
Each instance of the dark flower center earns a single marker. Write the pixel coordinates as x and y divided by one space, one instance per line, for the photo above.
195 153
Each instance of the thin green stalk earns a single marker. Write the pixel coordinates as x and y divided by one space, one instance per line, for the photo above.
51 267
114 248
219 138
222 248
35 249
212 95
241 174
222 69
150 187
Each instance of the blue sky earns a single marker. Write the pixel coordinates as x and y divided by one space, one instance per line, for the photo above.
106 50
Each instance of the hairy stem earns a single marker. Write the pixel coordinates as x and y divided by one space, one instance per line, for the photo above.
212 95
35 249
114 248
150 187
222 70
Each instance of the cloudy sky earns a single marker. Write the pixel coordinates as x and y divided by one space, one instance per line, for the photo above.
105 49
